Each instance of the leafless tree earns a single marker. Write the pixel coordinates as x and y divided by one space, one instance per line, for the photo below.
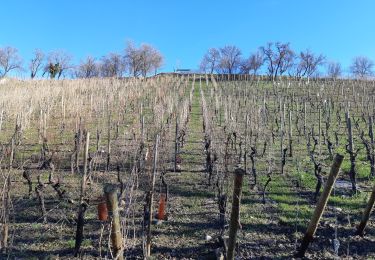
88 68
210 61
244 67
157 61
334 70
36 62
9 60
252 64
133 59
150 59
143 60
112 65
286 60
308 63
256 61
362 67
230 59
61 60
279 57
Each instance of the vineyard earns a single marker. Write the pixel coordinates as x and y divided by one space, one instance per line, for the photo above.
186 167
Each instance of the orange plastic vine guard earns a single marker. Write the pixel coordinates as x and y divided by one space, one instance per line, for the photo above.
102 210
161 211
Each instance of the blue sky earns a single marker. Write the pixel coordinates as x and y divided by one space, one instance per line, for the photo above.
184 30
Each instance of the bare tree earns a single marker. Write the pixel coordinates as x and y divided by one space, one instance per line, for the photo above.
143 60
244 66
308 63
150 59
9 60
334 70
256 61
287 58
61 61
362 67
210 61
279 57
252 64
270 59
133 59
88 68
36 62
230 59
112 65
157 61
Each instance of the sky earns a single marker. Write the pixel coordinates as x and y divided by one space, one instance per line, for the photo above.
184 30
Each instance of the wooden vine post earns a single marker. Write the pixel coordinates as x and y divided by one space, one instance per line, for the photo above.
290 133
150 197
11 156
320 206
1 118
370 204
110 192
109 143
4 232
352 153
319 131
234 217
176 144
82 203
372 144
366 214
78 140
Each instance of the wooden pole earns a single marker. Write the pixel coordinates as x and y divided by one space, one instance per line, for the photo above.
109 143
110 192
5 219
290 133
78 144
320 206
372 144
304 117
320 131
150 197
1 119
11 156
143 129
281 135
350 150
176 144
245 152
85 158
45 125
366 214
82 204
234 218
